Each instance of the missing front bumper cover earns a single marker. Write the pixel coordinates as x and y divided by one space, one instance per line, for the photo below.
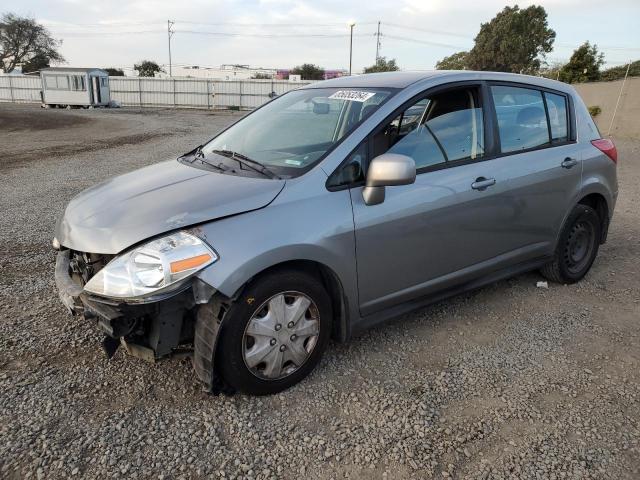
148 330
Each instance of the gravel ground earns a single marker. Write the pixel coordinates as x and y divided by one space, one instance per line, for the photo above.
511 381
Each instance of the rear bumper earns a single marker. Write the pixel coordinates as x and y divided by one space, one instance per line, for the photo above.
147 330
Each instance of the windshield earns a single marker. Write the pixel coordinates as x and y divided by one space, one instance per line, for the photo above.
293 132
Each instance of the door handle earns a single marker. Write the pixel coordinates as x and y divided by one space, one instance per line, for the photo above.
482 183
569 162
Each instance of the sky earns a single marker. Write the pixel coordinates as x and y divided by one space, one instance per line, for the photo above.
285 33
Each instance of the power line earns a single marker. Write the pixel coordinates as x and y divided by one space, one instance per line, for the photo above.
273 35
276 25
424 42
437 32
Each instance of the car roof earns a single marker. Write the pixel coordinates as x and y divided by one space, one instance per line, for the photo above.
404 79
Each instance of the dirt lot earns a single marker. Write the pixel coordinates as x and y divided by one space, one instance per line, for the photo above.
511 381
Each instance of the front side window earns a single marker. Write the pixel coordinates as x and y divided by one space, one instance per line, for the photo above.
296 130
522 122
441 128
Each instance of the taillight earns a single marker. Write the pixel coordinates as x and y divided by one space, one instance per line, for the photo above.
607 147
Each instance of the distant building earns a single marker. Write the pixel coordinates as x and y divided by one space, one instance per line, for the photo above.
283 74
223 72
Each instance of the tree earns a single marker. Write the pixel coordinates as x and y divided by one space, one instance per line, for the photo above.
261 76
457 61
147 68
308 71
36 64
23 40
514 41
618 73
584 65
383 65
114 72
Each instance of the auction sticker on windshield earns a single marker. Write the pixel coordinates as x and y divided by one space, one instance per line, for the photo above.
352 95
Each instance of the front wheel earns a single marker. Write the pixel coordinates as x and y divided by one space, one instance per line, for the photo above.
577 246
275 333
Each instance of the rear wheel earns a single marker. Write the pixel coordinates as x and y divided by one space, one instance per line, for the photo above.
577 247
275 333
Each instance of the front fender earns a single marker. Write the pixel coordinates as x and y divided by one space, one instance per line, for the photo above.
300 225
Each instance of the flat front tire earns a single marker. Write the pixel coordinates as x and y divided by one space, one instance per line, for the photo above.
274 334
577 246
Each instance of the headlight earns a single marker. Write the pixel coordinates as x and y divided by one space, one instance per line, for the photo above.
152 267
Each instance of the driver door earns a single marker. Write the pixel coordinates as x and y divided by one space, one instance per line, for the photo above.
436 232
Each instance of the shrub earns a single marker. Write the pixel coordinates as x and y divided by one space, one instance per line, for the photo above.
594 110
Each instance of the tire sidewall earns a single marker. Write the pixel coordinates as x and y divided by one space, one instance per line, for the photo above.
578 214
230 354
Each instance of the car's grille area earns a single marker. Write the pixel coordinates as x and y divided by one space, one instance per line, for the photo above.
85 265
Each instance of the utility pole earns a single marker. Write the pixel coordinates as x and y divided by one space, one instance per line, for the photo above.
378 43
351 25
169 35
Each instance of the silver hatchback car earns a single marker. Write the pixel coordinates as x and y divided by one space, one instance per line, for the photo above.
332 208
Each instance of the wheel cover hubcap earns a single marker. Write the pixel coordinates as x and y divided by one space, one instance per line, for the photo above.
281 335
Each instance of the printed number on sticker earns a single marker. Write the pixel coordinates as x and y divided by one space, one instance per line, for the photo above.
352 95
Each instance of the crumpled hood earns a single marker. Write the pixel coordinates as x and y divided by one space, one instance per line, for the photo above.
130 208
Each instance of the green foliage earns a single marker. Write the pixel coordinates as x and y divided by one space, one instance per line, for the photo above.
457 61
594 110
308 71
114 72
24 41
383 65
618 73
147 68
514 41
584 65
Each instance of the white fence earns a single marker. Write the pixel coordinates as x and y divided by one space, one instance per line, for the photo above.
21 89
164 92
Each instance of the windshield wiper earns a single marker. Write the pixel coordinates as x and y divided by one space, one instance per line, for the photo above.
248 162
198 154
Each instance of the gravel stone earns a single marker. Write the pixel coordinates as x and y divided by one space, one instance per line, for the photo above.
510 381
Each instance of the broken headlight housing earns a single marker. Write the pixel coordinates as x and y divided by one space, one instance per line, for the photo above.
152 268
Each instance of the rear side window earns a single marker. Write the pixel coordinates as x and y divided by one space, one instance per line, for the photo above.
522 122
557 109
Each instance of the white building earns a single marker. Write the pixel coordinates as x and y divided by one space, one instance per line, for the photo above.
223 72
69 87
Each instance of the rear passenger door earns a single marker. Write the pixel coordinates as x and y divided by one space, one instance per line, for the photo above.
535 133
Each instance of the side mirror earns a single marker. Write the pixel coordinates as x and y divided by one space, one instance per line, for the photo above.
320 108
387 170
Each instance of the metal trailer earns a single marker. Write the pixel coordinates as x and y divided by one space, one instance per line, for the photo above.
75 87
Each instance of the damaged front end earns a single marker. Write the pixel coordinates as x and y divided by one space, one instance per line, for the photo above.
151 328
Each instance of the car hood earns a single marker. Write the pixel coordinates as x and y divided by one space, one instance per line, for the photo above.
166 196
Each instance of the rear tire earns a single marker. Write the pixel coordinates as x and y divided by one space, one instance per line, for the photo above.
577 246
272 302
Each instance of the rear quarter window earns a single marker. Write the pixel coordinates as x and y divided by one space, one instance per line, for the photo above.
558 119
